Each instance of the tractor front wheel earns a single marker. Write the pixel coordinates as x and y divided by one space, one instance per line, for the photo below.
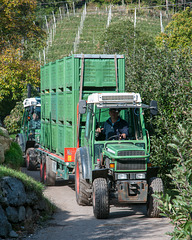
100 198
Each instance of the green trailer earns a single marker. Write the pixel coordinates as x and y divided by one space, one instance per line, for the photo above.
63 83
110 158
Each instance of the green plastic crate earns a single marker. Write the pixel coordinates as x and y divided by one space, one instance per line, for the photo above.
61 106
42 76
54 103
42 105
47 134
61 138
47 101
61 74
54 137
54 76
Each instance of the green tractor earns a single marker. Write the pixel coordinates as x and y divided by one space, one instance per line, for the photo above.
113 164
30 131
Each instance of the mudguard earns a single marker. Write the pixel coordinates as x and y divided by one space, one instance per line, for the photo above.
86 163
20 141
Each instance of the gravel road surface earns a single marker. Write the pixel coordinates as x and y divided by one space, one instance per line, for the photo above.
72 222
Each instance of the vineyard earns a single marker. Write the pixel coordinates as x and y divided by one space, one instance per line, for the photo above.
80 32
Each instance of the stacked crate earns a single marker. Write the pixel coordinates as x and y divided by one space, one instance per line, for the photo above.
60 88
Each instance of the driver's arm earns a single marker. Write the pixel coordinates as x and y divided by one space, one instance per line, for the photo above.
124 130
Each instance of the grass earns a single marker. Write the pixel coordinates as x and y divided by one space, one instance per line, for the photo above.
28 182
14 156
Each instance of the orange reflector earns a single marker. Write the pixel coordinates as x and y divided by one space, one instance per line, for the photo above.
69 154
112 165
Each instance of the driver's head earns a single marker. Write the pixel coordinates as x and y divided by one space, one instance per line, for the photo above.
114 113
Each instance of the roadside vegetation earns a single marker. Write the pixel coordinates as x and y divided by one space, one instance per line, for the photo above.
29 182
158 66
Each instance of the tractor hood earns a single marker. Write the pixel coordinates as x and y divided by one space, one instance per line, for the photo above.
124 150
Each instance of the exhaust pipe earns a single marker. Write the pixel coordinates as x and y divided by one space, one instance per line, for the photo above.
28 90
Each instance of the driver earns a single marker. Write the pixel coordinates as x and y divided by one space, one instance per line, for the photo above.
115 127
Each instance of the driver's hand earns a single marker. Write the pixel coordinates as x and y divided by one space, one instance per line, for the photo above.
98 130
122 136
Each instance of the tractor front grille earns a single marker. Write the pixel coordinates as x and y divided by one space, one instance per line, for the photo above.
131 164
131 153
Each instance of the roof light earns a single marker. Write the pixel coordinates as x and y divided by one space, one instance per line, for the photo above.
31 102
105 98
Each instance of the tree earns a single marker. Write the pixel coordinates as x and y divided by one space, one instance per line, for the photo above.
15 73
178 33
18 23
20 35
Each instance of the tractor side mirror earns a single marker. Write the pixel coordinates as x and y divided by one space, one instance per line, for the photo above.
153 108
82 106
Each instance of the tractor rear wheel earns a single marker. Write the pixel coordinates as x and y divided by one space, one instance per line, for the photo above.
155 187
31 159
82 187
49 175
100 198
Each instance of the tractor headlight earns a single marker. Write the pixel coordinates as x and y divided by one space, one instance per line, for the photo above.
140 175
122 176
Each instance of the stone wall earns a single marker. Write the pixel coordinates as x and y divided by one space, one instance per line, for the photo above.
19 207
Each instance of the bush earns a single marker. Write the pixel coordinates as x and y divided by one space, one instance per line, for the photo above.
13 121
13 156
178 207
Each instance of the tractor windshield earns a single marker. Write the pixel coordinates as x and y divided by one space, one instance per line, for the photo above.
113 123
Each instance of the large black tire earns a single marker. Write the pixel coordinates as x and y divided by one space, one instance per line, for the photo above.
49 177
31 159
82 187
155 187
100 198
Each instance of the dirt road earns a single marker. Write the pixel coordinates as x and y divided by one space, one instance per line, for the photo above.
72 222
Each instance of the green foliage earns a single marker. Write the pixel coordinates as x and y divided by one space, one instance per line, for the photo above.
29 182
20 35
166 77
17 23
178 33
13 121
14 156
179 207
